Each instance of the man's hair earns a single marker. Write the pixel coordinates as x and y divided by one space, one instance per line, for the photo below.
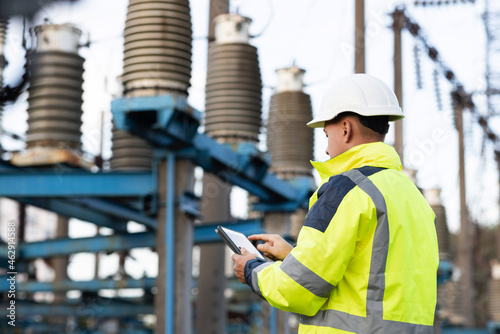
379 124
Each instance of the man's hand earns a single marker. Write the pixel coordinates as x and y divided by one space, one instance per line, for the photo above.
239 263
275 247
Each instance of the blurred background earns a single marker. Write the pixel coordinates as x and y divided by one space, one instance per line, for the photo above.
129 130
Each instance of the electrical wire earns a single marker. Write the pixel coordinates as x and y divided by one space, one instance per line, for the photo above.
12 135
459 95
439 3
269 19
418 67
328 73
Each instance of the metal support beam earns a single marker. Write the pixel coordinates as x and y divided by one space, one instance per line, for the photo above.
68 207
466 235
60 264
497 159
211 308
175 128
246 168
99 310
111 243
359 37
206 233
115 210
65 285
170 122
399 20
101 212
61 247
76 183
174 245
170 242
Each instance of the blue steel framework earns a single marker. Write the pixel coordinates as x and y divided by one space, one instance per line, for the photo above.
171 126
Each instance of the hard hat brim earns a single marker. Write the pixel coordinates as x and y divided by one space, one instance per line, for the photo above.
319 122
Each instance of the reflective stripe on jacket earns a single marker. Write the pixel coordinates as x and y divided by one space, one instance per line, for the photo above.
367 256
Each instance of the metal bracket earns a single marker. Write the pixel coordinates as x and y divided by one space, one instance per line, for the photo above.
189 203
164 121
169 124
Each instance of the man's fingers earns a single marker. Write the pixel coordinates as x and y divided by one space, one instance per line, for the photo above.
265 237
235 257
264 247
244 251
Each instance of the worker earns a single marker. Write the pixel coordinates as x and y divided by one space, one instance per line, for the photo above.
366 258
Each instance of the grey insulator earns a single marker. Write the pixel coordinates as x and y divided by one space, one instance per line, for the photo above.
156 60
157 50
289 140
55 100
130 152
494 299
3 35
443 234
233 104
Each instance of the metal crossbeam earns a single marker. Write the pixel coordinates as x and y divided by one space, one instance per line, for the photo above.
76 183
206 234
70 208
246 168
99 310
117 242
173 126
94 285
114 210
58 247
22 184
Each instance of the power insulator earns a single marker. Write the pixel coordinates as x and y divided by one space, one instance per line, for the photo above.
418 71
494 292
130 152
413 28
290 110
482 121
3 62
156 60
157 47
55 91
449 75
233 104
3 35
437 90
433 197
433 53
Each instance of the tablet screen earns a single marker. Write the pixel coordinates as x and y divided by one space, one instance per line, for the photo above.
240 240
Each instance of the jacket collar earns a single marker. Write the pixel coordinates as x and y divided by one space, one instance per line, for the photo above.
376 154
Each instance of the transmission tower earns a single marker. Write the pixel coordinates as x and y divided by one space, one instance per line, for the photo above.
491 19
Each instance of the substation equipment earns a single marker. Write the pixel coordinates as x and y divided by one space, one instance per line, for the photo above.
156 145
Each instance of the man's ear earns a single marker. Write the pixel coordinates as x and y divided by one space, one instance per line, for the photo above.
347 130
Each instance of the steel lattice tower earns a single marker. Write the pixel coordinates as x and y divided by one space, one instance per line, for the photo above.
491 19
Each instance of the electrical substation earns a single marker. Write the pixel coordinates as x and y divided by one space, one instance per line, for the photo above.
160 143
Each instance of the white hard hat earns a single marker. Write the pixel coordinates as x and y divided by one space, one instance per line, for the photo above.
362 94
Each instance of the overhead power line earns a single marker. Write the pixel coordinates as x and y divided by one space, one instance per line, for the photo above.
442 3
459 95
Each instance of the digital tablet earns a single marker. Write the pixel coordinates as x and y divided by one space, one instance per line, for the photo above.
235 240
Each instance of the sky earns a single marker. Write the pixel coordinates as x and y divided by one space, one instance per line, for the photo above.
316 35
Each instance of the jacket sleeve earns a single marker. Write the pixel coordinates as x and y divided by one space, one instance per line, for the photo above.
305 279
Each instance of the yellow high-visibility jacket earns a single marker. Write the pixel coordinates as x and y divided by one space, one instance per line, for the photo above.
367 256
